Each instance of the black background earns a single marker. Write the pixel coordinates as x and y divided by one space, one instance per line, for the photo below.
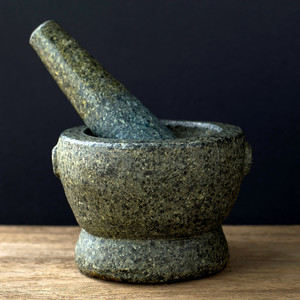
236 62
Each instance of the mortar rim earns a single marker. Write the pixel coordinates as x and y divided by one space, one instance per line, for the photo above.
221 132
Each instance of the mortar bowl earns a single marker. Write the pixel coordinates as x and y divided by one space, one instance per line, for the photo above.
151 211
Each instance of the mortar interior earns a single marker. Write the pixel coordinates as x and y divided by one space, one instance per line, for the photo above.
189 134
183 129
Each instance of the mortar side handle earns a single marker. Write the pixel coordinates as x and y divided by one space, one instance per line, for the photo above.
54 162
247 159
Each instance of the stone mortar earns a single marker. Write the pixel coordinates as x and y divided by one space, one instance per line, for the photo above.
151 211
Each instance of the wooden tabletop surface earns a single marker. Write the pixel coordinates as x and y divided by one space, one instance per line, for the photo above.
37 262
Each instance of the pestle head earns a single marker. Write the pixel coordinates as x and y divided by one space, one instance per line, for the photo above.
104 104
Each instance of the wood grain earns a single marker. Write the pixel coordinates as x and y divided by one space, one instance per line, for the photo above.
38 263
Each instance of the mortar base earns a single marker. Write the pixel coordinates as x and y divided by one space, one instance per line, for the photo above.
152 260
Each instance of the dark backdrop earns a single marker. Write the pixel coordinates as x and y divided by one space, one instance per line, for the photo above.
229 61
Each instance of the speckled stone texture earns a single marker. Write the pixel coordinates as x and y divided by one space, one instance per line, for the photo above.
146 208
152 260
102 102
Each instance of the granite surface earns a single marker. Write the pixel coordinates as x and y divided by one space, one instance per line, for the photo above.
177 190
162 188
103 103
152 260
150 196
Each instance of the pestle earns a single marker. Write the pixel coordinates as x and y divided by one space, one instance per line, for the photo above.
104 104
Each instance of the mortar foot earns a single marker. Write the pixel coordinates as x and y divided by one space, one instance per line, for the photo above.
151 260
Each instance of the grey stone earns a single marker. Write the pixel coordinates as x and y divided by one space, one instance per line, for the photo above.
151 211
152 260
102 102
150 196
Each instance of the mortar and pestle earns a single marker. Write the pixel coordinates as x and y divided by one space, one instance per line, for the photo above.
149 195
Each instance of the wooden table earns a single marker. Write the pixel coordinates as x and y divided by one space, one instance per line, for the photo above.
37 262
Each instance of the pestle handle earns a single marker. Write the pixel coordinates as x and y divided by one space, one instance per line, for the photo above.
104 104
